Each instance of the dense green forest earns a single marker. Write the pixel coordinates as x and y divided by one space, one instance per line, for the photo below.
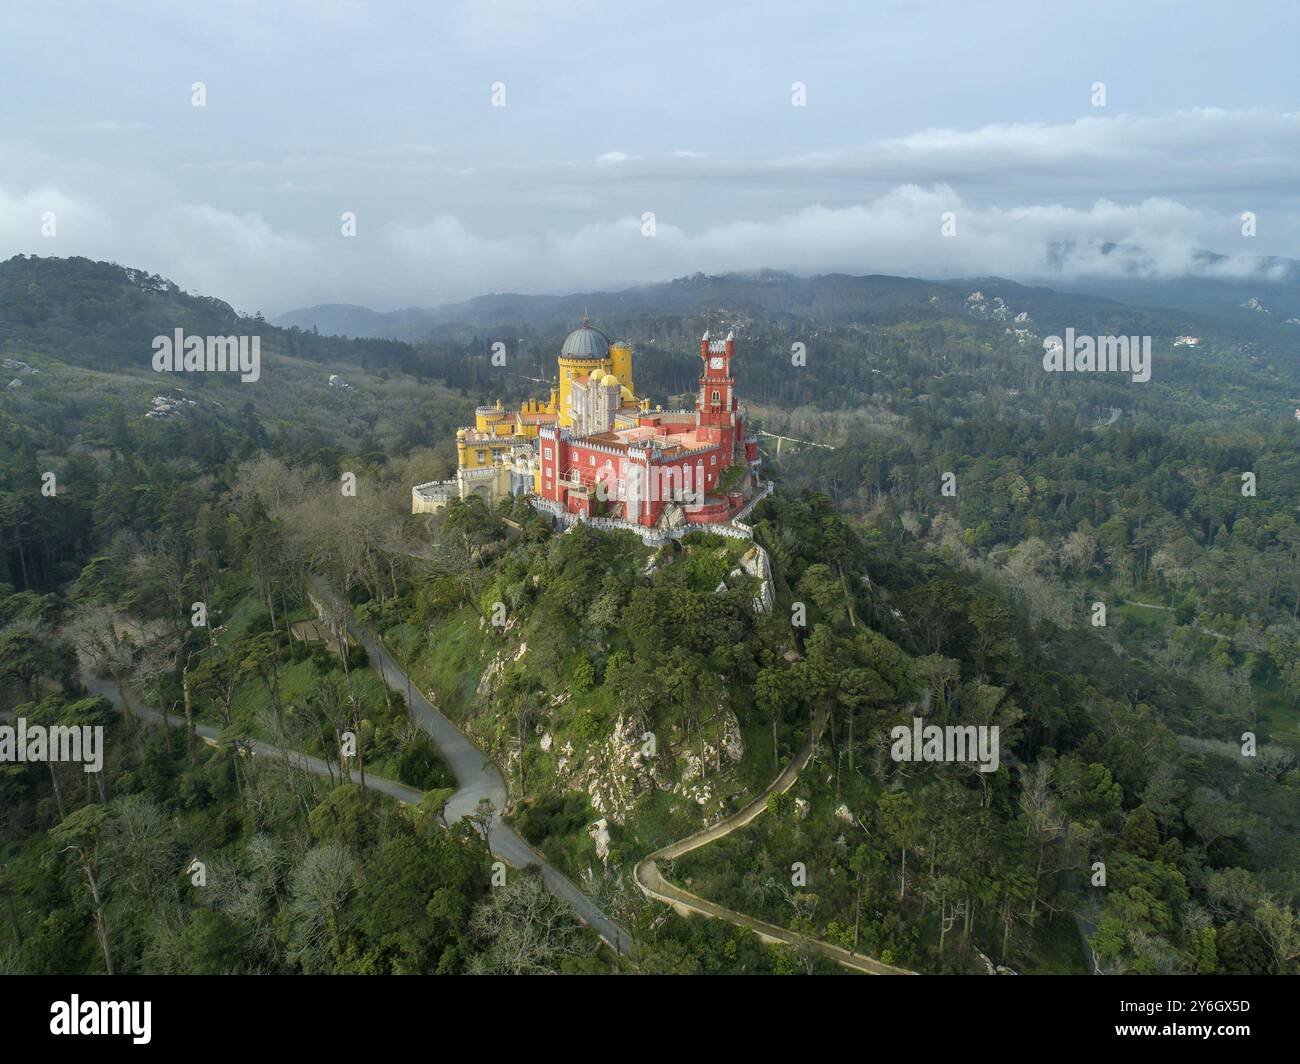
563 655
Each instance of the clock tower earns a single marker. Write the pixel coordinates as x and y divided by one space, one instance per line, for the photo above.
716 403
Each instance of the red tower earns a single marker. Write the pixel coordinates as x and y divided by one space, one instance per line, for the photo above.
716 403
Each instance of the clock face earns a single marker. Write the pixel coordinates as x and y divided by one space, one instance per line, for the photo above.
715 363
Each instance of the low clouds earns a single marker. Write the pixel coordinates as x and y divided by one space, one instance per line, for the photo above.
1037 202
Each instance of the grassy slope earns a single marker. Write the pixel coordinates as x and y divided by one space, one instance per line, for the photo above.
448 657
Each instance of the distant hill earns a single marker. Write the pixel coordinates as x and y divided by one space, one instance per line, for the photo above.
829 298
869 333
1275 283
835 299
102 315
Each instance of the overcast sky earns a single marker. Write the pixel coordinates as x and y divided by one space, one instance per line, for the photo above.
617 108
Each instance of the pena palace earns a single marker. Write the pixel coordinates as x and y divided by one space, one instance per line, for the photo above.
594 451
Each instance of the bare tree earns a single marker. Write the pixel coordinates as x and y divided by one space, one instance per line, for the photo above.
525 930
319 889
106 641
1042 815
78 835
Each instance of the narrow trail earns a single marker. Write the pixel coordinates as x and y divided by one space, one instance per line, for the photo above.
653 885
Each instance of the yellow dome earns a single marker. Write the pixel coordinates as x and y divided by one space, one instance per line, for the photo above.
609 381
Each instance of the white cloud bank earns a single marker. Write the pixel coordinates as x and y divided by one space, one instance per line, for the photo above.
1098 197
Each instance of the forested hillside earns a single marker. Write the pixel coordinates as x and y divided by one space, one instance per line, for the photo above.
631 695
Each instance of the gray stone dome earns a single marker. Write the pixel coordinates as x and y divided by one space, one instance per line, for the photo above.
586 341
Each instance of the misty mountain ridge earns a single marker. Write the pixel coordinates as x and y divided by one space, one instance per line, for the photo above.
834 298
100 314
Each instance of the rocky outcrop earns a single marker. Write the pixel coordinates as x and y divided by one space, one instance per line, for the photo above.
496 667
615 773
599 832
693 782
756 563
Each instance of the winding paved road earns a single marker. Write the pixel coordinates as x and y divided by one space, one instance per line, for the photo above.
476 777
305 762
